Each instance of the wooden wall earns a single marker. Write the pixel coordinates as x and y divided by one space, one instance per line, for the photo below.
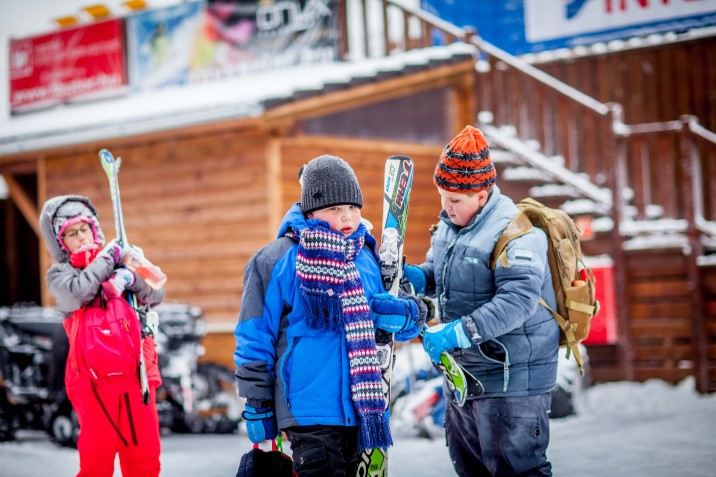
708 277
197 205
657 83
368 160
660 315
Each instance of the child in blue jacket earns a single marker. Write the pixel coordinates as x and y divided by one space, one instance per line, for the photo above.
305 342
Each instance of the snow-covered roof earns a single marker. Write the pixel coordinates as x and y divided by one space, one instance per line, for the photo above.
633 43
179 106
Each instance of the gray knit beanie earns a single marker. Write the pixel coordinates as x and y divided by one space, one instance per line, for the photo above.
327 181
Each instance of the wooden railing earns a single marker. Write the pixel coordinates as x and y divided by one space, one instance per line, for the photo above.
387 26
587 136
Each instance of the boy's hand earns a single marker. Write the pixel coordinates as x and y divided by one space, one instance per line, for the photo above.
393 314
416 277
444 337
260 423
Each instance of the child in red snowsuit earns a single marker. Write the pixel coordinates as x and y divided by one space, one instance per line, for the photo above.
74 238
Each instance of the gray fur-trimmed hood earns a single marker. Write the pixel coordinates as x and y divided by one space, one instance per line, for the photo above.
65 207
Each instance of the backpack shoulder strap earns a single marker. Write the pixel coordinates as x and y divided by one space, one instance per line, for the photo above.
518 226
568 330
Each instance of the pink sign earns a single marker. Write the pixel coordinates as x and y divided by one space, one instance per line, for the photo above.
76 63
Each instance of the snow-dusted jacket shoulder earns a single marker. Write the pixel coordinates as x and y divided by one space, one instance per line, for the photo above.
516 351
278 358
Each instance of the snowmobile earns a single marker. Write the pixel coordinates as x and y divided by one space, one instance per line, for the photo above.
33 352
194 397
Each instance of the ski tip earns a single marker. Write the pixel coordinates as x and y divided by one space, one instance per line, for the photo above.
106 156
401 158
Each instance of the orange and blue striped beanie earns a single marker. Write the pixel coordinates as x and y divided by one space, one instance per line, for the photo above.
465 165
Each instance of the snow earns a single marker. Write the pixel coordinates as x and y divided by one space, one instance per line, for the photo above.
649 429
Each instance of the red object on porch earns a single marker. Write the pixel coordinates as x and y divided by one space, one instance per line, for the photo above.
603 329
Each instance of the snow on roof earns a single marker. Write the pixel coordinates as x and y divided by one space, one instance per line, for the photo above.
633 43
179 106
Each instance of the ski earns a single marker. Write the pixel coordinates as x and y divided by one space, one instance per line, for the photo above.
460 381
111 168
396 196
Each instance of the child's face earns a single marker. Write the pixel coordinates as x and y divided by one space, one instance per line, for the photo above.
461 208
342 218
77 235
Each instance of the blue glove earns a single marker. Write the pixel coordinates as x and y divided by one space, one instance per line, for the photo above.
416 276
444 337
393 314
260 423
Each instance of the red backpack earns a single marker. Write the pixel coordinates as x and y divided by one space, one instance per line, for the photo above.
109 339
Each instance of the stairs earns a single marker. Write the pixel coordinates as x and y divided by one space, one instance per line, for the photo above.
523 171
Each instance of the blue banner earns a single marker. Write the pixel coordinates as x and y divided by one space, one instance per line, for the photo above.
531 26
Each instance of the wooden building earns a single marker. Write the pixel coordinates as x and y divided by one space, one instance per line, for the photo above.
201 198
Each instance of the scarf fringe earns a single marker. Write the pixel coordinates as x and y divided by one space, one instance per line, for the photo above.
323 312
374 432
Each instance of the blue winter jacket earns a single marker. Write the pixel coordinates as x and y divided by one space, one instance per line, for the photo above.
516 351
278 358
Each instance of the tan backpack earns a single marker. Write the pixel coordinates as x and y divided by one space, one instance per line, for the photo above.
573 283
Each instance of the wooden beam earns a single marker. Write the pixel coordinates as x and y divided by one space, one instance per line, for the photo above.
357 144
237 125
46 298
23 202
273 184
371 93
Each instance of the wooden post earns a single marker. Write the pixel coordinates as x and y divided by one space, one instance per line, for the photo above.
45 260
614 154
341 12
366 34
692 199
274 183
386 32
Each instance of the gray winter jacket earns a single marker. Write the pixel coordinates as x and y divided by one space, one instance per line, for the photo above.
73 287
515 340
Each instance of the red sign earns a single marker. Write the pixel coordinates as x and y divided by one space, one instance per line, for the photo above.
603 328
69 64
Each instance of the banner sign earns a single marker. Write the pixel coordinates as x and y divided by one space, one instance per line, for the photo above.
161 44
79 63
248 36
531 26
197 41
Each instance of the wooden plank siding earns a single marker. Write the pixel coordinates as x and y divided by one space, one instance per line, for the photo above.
197 205
368 160
656 83
708 274
660 315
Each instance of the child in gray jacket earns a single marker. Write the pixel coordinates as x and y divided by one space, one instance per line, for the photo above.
111 420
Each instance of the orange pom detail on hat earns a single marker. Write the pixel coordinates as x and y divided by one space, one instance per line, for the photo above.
465 165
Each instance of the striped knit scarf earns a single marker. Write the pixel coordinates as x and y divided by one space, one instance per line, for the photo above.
334 298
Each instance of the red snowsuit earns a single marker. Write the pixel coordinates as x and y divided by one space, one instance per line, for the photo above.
137 422
74 281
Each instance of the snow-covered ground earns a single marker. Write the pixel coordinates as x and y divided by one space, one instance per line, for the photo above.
649 429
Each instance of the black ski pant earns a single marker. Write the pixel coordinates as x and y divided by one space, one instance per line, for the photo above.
325 451
500 436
